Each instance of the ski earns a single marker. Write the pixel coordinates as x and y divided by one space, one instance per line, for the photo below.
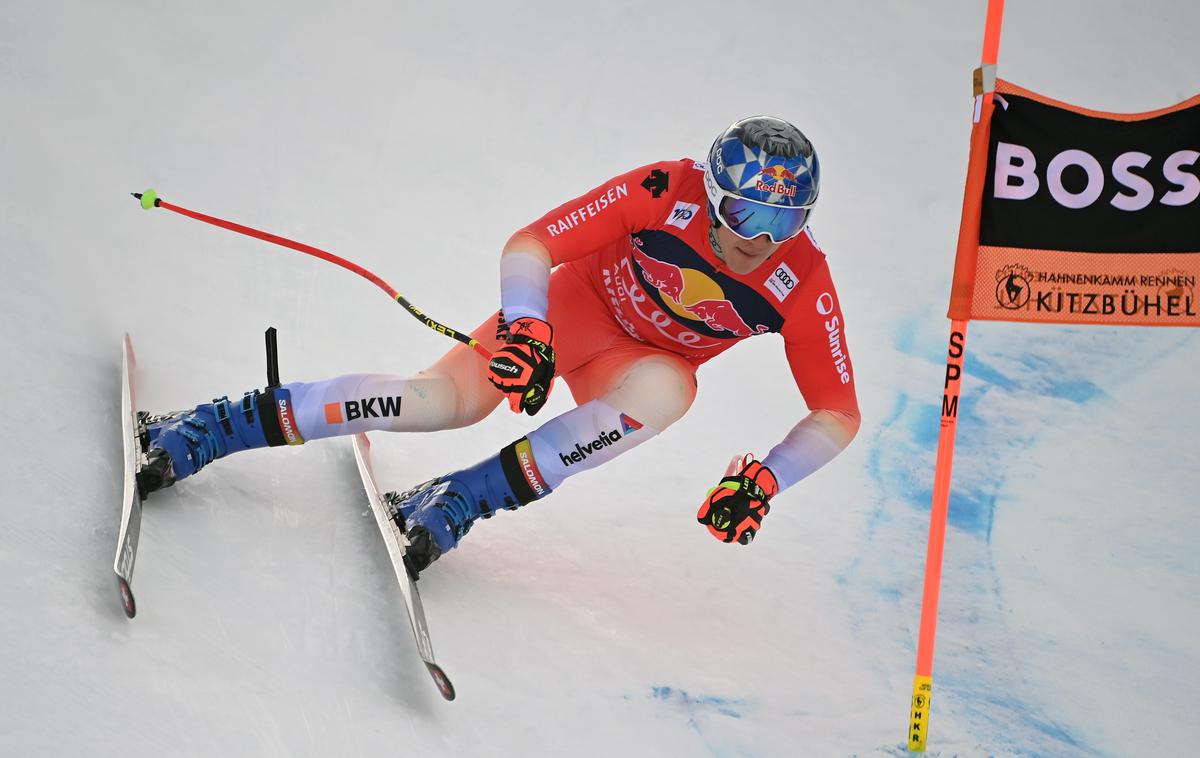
131 508
396 543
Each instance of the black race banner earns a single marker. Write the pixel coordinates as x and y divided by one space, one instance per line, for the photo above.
1084 216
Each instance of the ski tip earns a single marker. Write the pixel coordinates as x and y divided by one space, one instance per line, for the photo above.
127 597
441 680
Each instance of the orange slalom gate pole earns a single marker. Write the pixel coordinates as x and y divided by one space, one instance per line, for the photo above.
960 302
918 728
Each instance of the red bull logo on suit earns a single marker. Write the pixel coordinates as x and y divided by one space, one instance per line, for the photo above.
723 317
696 299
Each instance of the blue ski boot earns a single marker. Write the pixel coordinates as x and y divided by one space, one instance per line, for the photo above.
180 444
437 514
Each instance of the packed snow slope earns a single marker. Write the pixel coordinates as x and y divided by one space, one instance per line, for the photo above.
414 138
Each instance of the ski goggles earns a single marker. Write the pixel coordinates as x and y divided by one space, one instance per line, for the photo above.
750 218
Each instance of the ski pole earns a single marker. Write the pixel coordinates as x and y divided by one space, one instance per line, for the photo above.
150 199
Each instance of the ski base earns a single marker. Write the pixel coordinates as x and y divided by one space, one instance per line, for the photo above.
131 508
396 543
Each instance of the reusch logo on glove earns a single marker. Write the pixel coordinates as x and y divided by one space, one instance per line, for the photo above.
362 408
505 365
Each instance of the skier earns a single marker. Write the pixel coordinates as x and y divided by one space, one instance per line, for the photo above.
623 292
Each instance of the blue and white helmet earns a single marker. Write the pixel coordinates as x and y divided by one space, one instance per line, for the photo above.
762 178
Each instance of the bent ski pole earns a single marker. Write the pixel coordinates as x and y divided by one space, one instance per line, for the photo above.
150 199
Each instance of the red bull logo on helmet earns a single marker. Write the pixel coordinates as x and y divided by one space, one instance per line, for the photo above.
777 179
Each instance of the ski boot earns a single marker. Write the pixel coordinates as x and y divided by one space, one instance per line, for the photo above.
179 444
436 515
155 471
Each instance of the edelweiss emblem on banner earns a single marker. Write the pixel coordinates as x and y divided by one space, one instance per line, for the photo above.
1012 286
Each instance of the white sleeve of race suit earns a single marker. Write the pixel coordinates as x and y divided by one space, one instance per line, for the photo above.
812 443
524 285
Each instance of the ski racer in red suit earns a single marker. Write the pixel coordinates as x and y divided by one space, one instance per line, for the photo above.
623 293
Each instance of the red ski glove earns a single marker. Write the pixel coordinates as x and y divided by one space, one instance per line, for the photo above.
524 368
734 509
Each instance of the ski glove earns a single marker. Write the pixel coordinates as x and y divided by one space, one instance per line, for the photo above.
524 368
734 509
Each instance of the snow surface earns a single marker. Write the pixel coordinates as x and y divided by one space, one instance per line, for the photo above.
413 138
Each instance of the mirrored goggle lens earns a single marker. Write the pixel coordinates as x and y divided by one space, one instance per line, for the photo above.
748 219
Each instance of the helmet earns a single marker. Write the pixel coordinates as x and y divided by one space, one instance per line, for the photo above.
762 177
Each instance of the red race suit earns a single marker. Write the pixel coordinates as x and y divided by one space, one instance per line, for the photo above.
638 248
